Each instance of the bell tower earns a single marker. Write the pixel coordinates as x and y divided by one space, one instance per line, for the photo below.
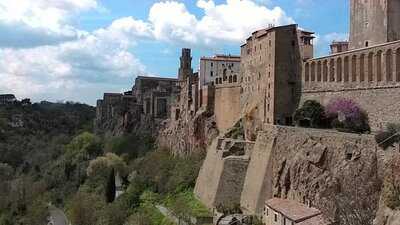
373 22
185 69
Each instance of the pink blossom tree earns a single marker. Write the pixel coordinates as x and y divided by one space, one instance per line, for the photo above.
347 115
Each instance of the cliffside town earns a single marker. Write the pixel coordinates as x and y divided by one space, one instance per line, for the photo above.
240 112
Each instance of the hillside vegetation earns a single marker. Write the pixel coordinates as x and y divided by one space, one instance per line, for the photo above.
49 154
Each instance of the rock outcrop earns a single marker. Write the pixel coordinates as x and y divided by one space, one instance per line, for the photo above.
185 136
339 173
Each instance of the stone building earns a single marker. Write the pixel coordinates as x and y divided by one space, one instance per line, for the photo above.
270 73
6 99
374 22
339 46
369 73
156 95
147 104
219 69
287 212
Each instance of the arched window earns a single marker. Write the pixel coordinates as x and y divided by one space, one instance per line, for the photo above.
307 72
389 65
325 71
230 79
224 74
313 71
370 66
339 70
379 66
332 70
319 71
346 69
234 78
362 67
398 64
354 68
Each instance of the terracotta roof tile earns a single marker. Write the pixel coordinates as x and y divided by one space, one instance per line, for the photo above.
291 209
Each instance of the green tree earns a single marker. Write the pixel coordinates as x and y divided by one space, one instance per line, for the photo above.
110 188
84 208
37 212
311 114
83 147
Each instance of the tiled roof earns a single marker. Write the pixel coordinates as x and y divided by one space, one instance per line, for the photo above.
293 210
316 220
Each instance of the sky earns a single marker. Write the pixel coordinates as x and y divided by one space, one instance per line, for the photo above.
75 50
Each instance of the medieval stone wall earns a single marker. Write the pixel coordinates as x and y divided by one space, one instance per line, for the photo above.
369 76
221 177
227 106
381 104
316 167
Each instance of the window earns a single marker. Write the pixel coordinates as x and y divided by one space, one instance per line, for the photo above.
366 44
266 211
276 215
211 73
212 64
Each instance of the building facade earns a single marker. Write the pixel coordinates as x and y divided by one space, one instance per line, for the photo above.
7 99
270 73
288 212
374 22
219 69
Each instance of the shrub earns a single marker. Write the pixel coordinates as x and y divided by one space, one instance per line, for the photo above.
391 188
347 116
311 114
387 138
131 145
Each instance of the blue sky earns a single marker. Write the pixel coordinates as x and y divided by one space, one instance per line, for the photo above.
77 49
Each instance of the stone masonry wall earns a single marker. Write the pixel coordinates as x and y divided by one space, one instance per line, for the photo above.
322 168
381 104
227 106
221 178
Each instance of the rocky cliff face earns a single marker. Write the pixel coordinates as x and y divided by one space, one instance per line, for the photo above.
339 173
188 134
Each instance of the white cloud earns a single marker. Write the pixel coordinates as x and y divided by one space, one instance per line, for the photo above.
99 61
230 22
43 56
43 21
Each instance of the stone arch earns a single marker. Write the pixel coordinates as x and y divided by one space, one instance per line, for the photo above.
313 71
224 74
319 71
398 64
234 78
325 71
389 65
370 66
362 68
379 66
332 70
346 69
230 79
354 68
307 72
339 70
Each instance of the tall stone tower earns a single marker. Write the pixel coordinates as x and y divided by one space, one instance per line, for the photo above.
374 22
185 70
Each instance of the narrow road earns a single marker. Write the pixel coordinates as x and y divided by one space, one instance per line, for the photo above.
57 216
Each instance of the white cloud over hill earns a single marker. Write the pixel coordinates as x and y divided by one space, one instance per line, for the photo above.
43 55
